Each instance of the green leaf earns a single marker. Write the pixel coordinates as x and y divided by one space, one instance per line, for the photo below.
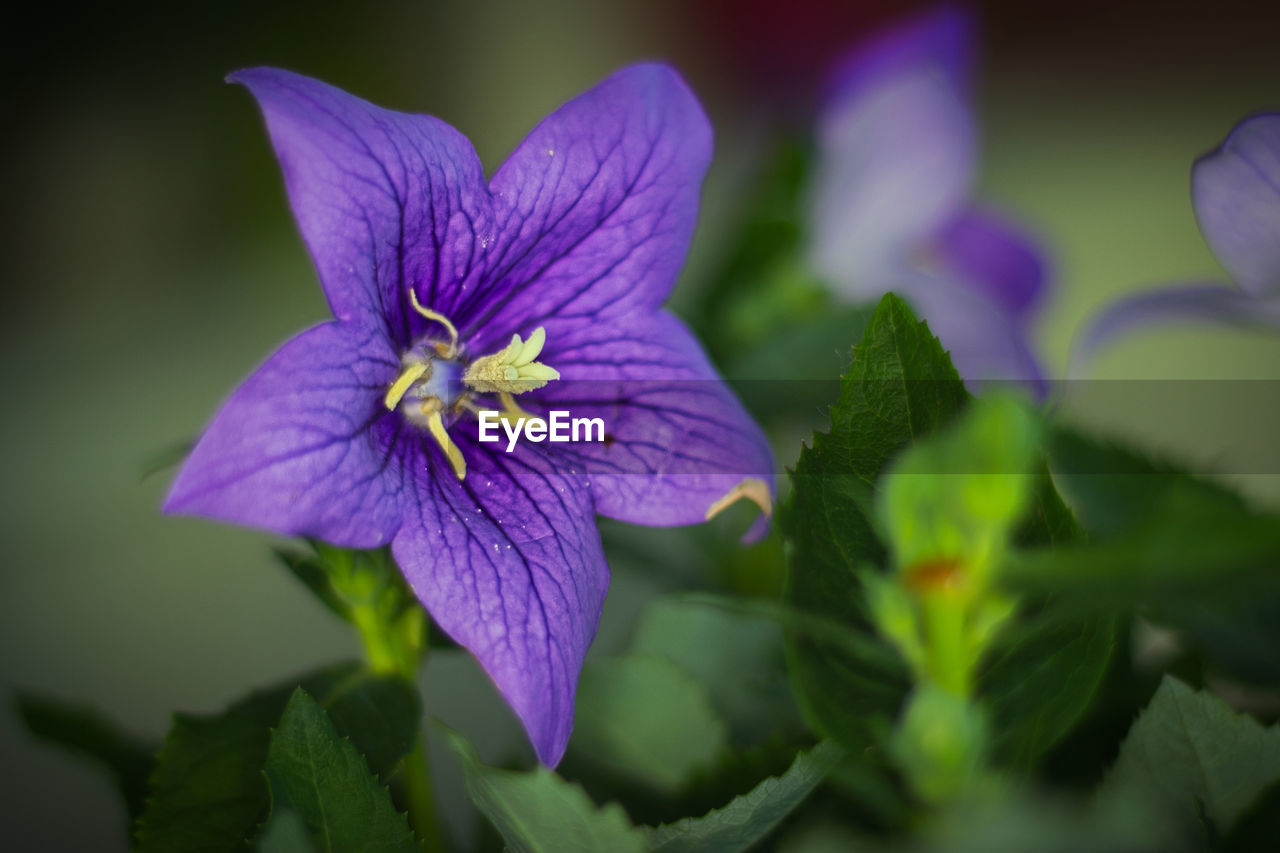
380 714
1114 488
1190 752
207 791
737 656
900 386
85 730
320 775
761 282
751 816
284 832
538 812
1041 677
646 719
165 458
1193 555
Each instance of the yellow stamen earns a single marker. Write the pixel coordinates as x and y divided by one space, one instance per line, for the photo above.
513 369
529 351
404 382
452 349
751 488
435 423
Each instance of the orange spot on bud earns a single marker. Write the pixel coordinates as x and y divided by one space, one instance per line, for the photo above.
936 575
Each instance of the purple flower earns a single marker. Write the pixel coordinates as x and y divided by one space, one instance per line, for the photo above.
891 203
539 290
1235 190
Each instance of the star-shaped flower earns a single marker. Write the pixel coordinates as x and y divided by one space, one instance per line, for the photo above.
541 289
891 205
1235 191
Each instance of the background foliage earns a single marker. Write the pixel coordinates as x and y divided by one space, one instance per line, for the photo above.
151 262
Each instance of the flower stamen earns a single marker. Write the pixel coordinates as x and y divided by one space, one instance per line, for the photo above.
432 409
410 375
446 350
512 370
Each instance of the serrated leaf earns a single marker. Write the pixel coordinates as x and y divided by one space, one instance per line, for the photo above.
380 714
1189 751
207 792
320 775
87 731
738 657
750 817
647 720
539 812
900 385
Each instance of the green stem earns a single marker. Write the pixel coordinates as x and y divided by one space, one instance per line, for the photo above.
947 651
421 801
391 652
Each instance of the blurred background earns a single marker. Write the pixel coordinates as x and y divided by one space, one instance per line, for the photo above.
150 262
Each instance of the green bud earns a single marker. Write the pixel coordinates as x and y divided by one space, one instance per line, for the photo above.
939 743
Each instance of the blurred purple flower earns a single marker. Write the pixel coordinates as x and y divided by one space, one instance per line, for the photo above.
363 431
891 205
1235 190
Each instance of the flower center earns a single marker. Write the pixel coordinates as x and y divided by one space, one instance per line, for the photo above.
428 387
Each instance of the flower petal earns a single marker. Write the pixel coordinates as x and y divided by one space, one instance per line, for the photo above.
1236 193
1197 303
299 448
509 563
677 441
994 257
897 155
385 200
595 208
986 343
942 37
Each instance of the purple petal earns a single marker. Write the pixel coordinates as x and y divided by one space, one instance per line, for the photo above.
1196 303
986 343
294 449
897 156
595 208
509 563
942 37
385 201
1236 193
995 257
677 440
